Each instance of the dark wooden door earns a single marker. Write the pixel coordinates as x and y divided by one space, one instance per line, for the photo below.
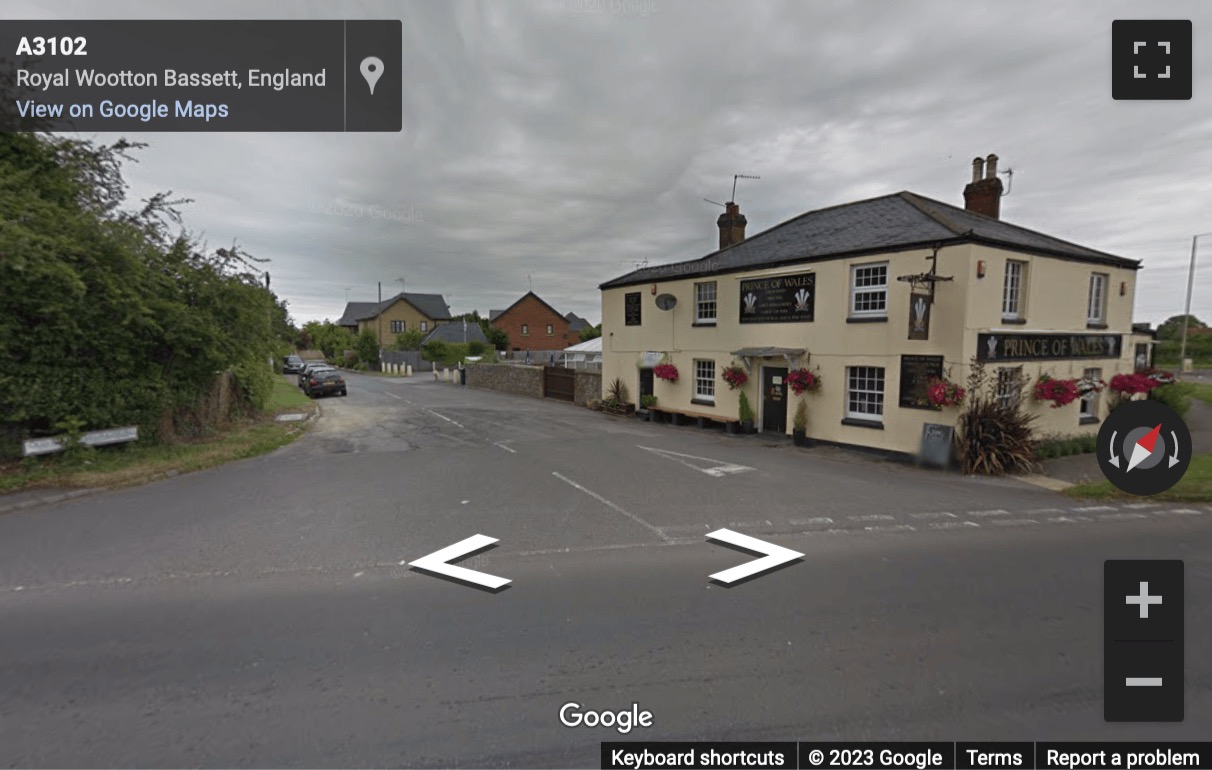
774 399
645 382
559 382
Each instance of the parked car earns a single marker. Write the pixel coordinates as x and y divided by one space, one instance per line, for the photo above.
309 367
324 382
292 365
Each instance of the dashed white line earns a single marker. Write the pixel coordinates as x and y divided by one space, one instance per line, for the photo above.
1138 506
393 395
934 515
992 512
1033 511
510 450
1092 508
874 517
810 522
953 525
1013 522
611 505
748 524
1123 516
444 417
1179 512
1069 520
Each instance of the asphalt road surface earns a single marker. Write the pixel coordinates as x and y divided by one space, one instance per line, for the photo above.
260 614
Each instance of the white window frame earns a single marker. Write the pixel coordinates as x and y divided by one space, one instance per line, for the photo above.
1014 289
550 330
704 379
859 380
1096 304
425 326
706 308
1008 388
398 327
868 289
1088 404
525 330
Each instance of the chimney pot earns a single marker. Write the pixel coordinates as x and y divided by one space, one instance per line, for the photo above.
991 166
978 169
984 195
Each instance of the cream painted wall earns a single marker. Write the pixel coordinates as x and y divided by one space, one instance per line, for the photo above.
1056 300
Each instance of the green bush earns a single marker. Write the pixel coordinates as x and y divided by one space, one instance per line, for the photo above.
476 348
1053 447
746 410
1176 395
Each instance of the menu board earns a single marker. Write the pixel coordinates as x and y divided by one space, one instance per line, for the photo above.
916 372
938 442
783 299
631 308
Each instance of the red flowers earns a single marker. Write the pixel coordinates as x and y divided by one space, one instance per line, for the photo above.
1131 384
665 372
941 392
1059 392
735 376
801 380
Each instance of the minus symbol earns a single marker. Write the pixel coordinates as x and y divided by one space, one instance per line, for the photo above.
1143 681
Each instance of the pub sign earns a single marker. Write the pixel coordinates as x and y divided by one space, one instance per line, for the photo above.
994 346
782 299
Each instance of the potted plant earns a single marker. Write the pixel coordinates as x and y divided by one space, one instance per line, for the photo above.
617 399
799 433
647 401
746 414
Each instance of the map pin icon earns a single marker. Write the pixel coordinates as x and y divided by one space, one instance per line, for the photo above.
372 70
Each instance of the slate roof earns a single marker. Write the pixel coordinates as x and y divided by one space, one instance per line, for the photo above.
896 222
432 306
453 332
575 322
492 314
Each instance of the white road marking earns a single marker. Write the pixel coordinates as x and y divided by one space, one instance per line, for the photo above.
1123 516
747 524
810 522
993 512
720 469
611 505
1069 520
685 528
891 528
873 517
1013 522
829 532
507 449
953 525
393 395
1143 505
1044 510
359 574
1091 508
444 417
1179 512
935 515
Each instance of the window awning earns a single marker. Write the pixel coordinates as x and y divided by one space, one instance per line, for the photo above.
748 354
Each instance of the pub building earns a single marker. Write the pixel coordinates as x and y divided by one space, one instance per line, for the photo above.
876 297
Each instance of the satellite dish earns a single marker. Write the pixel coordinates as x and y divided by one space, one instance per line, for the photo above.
666 301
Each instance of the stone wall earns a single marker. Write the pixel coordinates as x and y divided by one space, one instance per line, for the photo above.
588 385
519 380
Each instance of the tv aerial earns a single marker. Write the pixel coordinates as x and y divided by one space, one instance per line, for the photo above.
733 198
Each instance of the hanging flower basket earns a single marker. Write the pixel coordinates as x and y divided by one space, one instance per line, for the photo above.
1059 392
1160 376
942 392
1131 384
1086 386
667 372
802 381
735 376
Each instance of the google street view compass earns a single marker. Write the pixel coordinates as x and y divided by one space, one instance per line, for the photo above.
1144 447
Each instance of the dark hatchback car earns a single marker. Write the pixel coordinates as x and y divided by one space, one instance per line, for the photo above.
324 382
292 365
308 367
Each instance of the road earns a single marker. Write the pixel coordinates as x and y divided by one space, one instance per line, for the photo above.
259 614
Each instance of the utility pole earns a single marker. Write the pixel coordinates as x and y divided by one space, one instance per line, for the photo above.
380 319
1182 356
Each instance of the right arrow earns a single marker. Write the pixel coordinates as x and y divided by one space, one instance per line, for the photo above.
437 562
772 556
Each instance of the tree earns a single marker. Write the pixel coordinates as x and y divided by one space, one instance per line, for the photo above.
410 340
498 338
434 350
591 333
329 338
367 347
1172 327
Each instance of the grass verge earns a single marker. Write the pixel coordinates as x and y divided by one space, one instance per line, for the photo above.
126 465
1195 486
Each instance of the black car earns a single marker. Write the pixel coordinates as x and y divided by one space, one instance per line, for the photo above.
324 382
292 365
308 367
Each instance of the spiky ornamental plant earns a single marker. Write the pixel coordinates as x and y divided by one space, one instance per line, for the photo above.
994 436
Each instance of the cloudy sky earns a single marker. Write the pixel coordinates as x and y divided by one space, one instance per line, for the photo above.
558 143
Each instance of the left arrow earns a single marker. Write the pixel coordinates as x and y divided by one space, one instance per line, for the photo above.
772 556
438 562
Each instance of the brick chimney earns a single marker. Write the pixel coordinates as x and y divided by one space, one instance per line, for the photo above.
984 193
732 225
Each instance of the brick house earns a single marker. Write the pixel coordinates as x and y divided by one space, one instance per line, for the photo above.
401 313
532 324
